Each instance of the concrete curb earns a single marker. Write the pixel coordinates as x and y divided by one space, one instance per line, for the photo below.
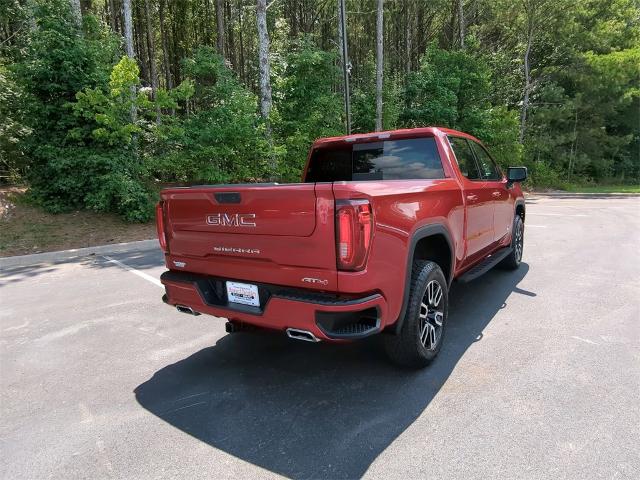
583 194
51 257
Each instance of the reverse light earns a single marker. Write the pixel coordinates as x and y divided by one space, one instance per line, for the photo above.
354 228
162 236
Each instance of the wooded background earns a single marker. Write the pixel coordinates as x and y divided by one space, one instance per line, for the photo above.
101 101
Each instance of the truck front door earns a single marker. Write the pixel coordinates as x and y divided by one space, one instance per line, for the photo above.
503 209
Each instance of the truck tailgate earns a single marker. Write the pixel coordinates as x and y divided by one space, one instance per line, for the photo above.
269 233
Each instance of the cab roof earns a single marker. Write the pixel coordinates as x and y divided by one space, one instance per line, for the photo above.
391 134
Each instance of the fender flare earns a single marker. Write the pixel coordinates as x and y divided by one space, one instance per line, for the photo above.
421 233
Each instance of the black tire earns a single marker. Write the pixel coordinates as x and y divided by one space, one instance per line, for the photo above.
513 260
411 348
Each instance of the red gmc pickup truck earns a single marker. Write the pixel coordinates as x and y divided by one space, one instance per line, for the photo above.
368 243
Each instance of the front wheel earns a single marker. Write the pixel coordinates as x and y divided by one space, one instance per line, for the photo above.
422 332
513 260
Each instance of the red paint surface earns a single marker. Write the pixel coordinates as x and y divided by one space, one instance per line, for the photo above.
295 238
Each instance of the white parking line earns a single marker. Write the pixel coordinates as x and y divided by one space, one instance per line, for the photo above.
585 340
148 278
557 214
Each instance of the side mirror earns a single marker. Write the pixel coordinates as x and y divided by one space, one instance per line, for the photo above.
516 174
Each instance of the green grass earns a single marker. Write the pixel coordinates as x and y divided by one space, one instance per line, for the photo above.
603 189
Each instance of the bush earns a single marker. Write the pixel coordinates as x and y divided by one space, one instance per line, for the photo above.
221 138
76 177
450 89
500 134
307 105
80 117
363 101
13 131
543 175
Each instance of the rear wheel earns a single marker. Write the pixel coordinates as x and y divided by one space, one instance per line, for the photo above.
513 260
420 338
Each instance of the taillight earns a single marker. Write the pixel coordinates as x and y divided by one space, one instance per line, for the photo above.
354 227
162 236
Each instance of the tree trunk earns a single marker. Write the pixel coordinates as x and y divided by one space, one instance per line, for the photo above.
165 51
128 39
230 45
151 47
152 57
112 16
461 22
220 24
574 145
176 51
207 22
77 12
140 42
346 67
527 88
407 39
340 50
128 28
241 52
263 56
265 77
379 63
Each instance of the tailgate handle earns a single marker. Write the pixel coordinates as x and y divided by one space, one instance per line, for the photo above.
227 197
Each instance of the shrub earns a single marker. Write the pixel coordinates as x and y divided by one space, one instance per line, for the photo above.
307 104
221 137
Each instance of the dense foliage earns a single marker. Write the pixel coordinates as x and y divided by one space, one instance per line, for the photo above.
88 127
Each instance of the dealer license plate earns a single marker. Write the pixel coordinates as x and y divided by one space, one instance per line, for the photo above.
243 293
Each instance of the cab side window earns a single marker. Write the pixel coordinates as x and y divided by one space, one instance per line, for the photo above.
488 168
464 156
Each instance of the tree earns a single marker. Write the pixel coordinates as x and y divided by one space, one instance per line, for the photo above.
13 131
263 56
346 63
461 22
560 76
77 11
308 106
533 11
165 46
218 142
128 40
451 88
152 55
379 63
220 26
128 28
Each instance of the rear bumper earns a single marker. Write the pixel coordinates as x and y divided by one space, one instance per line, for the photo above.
329 317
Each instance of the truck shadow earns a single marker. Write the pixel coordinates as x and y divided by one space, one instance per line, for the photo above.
314 410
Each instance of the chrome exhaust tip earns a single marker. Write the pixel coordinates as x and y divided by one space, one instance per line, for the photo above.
304 335
185 309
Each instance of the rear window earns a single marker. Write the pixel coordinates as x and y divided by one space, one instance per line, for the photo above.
413 158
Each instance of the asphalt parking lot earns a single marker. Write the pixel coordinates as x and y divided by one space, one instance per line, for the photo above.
539 376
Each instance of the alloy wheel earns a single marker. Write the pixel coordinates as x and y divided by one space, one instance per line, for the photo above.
518 243
431 315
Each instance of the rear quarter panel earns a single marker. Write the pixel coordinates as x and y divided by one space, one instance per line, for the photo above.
400 208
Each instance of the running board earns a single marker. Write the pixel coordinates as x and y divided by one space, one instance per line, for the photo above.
483 267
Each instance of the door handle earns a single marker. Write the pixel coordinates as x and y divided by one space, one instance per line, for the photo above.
472 197
497 194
